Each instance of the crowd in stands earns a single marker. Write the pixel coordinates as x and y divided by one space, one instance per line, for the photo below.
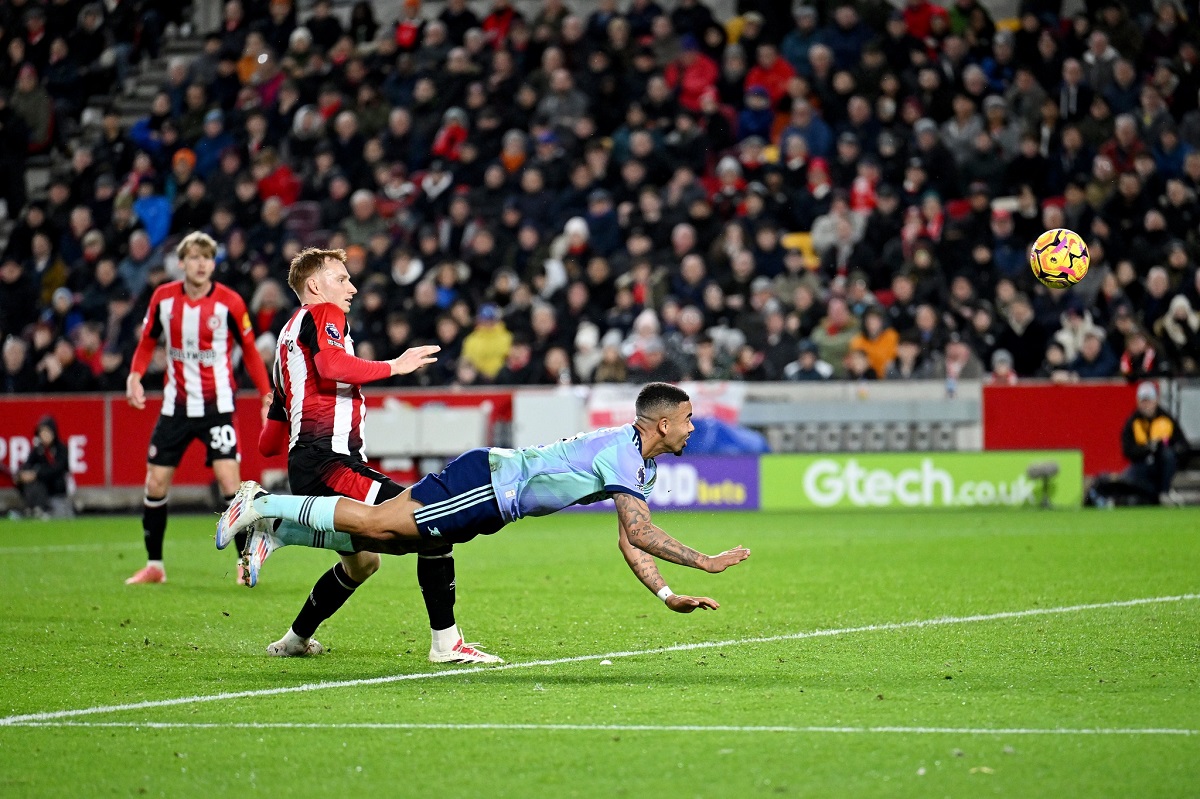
622 191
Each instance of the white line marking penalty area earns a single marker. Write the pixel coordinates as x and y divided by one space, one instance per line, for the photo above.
322 686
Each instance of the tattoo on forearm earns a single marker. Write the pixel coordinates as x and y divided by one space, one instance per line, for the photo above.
644 568
634 514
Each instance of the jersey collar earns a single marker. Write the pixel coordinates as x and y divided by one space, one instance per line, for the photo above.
637 440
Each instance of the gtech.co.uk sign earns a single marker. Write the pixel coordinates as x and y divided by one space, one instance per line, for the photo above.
916 480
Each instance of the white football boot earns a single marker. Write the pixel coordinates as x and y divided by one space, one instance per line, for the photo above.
240 514
289 646
259 546
461 652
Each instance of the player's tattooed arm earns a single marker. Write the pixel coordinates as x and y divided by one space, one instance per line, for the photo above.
646 570
640 563
634 517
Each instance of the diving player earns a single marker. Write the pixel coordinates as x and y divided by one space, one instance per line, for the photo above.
481 491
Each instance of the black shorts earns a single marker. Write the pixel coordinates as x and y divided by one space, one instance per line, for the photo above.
321 473
174 434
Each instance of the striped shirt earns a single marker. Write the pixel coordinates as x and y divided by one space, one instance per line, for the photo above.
198 336
320 412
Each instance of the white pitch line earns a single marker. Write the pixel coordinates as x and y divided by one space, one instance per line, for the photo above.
321 686
366 725
50 548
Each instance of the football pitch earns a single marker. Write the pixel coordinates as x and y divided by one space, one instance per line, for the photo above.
1012 653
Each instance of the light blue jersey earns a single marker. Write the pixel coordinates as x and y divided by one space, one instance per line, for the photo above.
587 468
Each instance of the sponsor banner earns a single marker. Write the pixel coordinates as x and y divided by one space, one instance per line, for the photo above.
917 480
700 483
612 405
80 426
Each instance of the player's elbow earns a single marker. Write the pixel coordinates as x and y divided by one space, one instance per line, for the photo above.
624 545
272 440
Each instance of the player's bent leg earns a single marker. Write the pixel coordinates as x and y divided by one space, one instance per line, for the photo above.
331 591
340 524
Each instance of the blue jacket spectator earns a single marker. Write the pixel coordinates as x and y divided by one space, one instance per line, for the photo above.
212 143
808 124
846 36
800 40
1095 359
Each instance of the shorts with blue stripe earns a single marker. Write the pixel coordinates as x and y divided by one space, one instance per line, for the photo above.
459 501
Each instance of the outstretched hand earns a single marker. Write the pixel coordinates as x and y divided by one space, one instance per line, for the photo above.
681 603
413 359
730 557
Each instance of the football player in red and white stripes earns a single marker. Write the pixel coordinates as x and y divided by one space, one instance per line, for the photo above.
317 413
197 321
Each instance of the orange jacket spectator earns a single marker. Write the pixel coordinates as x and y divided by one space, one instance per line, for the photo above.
878 342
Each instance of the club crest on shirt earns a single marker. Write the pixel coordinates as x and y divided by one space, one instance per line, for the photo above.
213 322
334 334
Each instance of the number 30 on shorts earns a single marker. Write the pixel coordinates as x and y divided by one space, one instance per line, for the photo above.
223 438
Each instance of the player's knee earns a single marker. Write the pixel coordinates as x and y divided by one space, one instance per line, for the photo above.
371 564
361 566
156 484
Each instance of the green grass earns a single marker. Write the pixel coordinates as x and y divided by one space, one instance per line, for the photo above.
76 637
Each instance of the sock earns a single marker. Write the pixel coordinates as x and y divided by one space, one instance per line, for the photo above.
154 526
435 574
447 638
157 563
331 591
293 641
239 539
314 512
296 534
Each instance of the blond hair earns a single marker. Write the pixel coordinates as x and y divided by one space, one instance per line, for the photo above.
205 243
306 263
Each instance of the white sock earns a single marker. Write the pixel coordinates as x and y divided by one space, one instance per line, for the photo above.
445 639
157 563
293 642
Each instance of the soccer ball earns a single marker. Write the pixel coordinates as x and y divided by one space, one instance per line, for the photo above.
1059 258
